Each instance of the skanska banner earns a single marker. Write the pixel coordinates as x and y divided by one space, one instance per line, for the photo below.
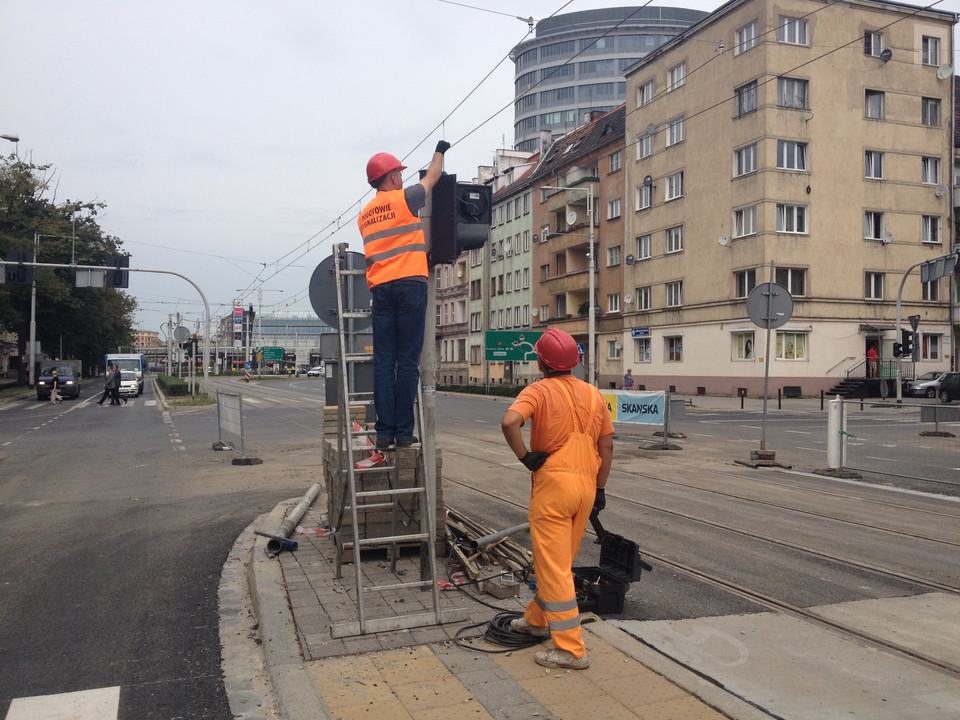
630 406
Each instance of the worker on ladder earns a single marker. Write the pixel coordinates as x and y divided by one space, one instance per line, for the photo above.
396 254
571 441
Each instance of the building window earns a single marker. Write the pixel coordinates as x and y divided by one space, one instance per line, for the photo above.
930 50
644 298
743 345
743 282
930 112
526 278
792 219
544 272
746 38
792 93
616 161
872 43
675 131
526 316
644 196
644 146
792 31
476 322
873 104
873 165
676 76
930 171
930 348
791 345
673 347
873 286
509 286
526 241
674 185
791 155
641 350
930 229
793 279
675 239
645 93
745 160
613 209
931 290
644 247
746 98
613 351
613 303
675 294
873 225
544 313
745 221
613 256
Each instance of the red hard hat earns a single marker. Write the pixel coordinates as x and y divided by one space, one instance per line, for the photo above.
380 164
558 350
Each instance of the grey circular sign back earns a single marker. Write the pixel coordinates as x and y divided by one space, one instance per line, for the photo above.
781 305
323 291
181 333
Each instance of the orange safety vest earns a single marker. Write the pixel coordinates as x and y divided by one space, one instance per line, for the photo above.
393 239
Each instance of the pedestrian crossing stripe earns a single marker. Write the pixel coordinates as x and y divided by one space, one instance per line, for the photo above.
99 704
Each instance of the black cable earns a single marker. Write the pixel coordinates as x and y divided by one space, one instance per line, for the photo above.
498 632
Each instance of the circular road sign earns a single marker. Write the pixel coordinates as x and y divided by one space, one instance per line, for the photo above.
323 290
181 333
779 301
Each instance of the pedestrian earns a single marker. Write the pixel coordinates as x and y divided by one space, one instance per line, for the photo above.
115 392
395 250
109 380
571 448
628 380
872 361
54 388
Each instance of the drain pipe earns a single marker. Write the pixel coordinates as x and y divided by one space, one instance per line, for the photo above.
482 542
280 540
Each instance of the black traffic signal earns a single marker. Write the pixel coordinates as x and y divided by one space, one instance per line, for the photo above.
460 218
117 278
19 274
897 349
906 343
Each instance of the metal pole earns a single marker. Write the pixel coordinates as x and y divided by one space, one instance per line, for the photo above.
591 318
766 364
33 316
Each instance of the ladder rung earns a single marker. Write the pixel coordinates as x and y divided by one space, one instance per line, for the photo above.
356 314
358 357
375 468
391 493
399 586
359 271
361 402
371 506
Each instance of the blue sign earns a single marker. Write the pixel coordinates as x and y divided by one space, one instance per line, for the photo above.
640 332
636 406
247 365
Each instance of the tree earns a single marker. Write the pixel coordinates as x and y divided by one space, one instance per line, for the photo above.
71 322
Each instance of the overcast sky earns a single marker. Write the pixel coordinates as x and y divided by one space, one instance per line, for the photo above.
228 138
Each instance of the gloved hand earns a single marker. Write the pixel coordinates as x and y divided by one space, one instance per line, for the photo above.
442 147
600 502
533 460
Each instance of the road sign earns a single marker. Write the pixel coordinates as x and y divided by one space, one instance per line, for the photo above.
774 296
506 345
272 354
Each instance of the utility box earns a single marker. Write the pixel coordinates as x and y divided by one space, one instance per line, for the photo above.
601 588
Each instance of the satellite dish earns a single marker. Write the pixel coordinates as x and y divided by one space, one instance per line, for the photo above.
535 239
571 217
628 298
630 261
651 129
493 253
723 240
508 246
459 273
887 237
886 55
940 191
618 344
944 71
648 181
534 312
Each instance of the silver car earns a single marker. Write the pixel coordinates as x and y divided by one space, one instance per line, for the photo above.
129 385
926 385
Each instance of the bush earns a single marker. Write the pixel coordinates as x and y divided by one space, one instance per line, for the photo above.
495 390
173 385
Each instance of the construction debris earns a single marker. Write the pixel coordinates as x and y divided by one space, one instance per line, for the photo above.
505 554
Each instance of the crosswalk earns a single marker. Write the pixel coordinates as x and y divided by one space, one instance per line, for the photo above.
98 704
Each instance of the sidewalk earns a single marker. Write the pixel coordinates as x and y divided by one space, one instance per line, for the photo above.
423 673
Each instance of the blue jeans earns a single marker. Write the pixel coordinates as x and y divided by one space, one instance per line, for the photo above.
399 314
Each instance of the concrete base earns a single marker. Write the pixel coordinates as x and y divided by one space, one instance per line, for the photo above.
762 458
839 473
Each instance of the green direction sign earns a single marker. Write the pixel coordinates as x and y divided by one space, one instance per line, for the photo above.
272 354
506 345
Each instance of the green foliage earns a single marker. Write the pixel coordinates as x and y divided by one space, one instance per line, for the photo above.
84 322
172 385
496 390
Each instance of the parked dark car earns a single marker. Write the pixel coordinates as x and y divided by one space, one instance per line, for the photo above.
69 381
925 385
950 387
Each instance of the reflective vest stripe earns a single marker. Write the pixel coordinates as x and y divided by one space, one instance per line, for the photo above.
561 625
557 607
418 247
389 232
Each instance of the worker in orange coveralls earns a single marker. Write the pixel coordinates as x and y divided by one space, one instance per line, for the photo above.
571 441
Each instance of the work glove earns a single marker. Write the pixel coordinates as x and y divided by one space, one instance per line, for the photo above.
442 147
533 460
600 502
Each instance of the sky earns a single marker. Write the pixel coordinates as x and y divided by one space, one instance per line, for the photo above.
229 138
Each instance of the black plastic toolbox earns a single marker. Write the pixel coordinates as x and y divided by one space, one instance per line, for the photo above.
602 588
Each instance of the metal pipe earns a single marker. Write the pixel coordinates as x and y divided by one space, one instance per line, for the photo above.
295 515
482 542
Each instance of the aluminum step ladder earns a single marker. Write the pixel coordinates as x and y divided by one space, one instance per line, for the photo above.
352 443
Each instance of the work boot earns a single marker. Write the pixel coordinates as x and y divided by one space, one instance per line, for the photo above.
521 625
561 659
384 443
408 442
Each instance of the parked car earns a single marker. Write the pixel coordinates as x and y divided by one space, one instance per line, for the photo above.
926 385
949 387
315 371
69 381
129 385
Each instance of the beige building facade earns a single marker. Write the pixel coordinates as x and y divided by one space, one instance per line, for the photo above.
808 137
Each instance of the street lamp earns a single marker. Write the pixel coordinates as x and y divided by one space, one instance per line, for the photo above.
591 315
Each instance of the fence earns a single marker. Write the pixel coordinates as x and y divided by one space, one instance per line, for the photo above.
634 407
230 427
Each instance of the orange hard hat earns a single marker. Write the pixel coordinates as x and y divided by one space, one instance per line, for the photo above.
380 164
557 349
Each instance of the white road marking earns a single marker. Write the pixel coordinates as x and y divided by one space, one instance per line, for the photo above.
799 432
100 704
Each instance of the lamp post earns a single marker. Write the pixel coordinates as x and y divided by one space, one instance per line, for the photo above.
591 313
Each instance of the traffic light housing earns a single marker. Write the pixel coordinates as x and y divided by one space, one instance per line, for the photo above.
117 278
897 350
19 274
906 344
459 220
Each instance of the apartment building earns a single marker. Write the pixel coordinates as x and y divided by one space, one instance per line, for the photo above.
808 140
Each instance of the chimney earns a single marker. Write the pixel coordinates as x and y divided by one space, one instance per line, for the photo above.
545 139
